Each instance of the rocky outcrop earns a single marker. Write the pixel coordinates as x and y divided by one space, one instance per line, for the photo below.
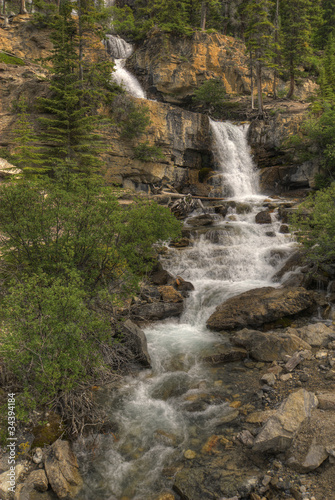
171 67
138 342
279 430
185 141
259 306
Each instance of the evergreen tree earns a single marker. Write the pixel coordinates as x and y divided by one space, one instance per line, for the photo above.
259 39
296 29
327 77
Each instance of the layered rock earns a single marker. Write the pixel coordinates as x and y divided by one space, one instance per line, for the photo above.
62 471
260 306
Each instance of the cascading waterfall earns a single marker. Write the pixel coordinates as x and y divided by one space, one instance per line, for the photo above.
166 410
231 149
120 50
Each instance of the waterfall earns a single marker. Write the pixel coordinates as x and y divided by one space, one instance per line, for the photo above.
181 402
120 50
232 153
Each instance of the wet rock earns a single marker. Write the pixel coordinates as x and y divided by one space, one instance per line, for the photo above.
279 431
263 217
266 346
190 454
292 263
284 229
61 468
138 342
184 287
157 310
259 306
150 294
201 220
161 277
313 443
316 334
225 354
169 294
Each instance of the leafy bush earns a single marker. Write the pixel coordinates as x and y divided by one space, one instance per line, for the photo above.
210 95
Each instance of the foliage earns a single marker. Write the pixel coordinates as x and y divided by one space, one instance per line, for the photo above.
146 152
9 59
66 262
211 95
315 223
132 119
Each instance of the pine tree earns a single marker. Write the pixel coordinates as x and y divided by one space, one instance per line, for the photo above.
296 29
259 39
327 77
27 155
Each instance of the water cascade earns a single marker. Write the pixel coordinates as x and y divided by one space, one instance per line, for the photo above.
182 401
120 50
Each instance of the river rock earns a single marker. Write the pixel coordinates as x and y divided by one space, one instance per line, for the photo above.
316 334
314 442
263 217
138 342
201 220
259 306
169 294
225 354
268 346
157 310
161 277
61 468
184 287
326 400
279 431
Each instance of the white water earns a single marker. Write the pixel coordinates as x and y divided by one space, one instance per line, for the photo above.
232 153
155 419
120 50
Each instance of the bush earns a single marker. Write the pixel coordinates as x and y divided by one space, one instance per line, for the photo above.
145 152
211 95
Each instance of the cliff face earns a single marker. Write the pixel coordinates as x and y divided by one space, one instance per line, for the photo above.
172 67
185 141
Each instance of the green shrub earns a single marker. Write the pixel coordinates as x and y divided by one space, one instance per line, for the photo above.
8 59
145 152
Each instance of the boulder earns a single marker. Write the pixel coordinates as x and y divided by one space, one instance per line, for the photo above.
7 482
161 277
316 334
169 294
201 220
268 346
314 442
138 342
61 468
263 217
278 432
183 286
37 480
225 354
157 310
326 400
259 306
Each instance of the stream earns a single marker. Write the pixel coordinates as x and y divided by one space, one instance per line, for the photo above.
179 403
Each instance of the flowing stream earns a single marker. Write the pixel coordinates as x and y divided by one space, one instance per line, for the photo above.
171 408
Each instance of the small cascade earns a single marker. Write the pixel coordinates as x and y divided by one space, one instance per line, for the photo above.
181 402
239 178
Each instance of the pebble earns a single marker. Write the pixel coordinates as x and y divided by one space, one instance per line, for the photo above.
190 454
303 377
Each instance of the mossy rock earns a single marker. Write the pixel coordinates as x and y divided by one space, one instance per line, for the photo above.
48 432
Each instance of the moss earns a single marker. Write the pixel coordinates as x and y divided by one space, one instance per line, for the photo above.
48 432
7 59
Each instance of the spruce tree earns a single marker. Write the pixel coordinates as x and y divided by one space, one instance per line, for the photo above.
296 29
259 39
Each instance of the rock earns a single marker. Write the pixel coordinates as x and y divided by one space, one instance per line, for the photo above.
260 417
292 263
190 454
268 346
37 480
161 277
315 334
157 310
284 229
201 220
224 354
279 431
326 400
138 342
183 286
150 294
313 443
259 306
294 361
61 468
246 438
269 378
38 456
169 294
8 481
263 217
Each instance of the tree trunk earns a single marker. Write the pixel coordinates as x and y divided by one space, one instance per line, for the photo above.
23 9
259 87
291 91
252 81
203 15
